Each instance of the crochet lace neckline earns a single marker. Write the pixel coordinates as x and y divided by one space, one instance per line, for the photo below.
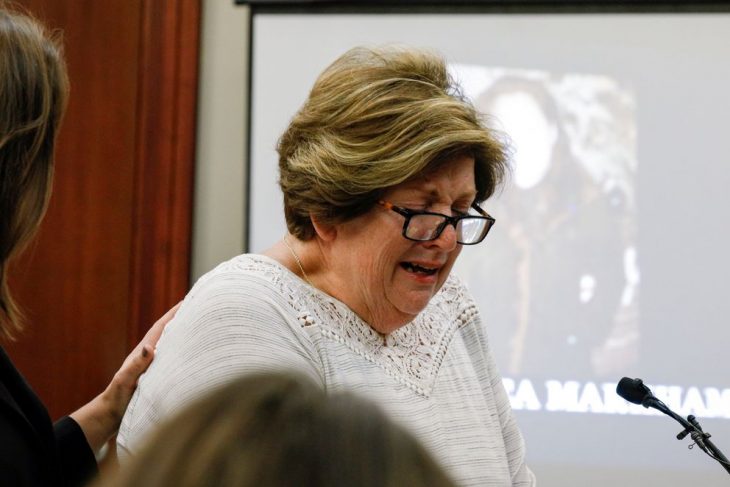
412 354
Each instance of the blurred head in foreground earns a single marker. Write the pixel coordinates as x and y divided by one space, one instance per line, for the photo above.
281 430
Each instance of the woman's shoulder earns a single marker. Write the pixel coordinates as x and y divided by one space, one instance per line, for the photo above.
248 265
250 273
244 292
249 290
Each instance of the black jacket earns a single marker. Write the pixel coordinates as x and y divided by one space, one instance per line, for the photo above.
33 451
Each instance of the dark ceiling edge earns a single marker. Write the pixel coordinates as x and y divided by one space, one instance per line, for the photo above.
487 6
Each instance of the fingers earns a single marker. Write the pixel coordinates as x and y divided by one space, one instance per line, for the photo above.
134 366
141 357
115 398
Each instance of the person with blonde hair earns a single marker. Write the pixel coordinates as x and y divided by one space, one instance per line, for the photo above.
280 430
383 171
33 95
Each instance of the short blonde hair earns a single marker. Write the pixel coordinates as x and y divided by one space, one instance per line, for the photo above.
280 430
33 95
374 119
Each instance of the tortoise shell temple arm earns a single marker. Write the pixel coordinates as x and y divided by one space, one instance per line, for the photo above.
390 206
481 211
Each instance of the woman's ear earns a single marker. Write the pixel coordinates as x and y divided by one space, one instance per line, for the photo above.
325 231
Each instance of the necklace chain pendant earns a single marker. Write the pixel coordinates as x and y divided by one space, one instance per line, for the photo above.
296 259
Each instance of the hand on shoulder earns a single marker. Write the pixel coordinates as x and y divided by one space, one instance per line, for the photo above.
100 418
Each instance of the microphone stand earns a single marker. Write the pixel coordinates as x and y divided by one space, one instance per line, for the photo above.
691 427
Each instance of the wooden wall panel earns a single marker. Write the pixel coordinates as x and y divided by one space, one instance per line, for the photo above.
113 252
165 158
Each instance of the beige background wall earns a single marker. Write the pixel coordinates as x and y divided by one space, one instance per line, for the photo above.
220 180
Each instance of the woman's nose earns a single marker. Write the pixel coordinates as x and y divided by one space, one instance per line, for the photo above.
446 241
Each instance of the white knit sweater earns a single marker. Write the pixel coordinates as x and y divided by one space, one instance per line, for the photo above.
435 376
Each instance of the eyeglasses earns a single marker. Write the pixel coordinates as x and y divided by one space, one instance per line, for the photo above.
424 226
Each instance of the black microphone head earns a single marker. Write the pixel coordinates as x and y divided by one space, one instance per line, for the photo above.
633 390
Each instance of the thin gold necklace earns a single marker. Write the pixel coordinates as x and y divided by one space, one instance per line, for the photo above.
301 268
296 258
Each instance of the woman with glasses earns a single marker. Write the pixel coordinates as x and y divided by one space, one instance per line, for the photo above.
383 171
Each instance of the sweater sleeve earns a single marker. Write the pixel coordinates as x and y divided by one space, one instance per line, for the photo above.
513 440
232 322
514 443
75 458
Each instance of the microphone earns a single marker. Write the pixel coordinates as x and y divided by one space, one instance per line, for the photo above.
635 391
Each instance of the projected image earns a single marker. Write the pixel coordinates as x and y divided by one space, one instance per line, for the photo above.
609 256
558 279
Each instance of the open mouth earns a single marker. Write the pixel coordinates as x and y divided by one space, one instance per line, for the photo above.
417 269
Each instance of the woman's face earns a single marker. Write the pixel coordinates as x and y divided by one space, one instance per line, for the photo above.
382 276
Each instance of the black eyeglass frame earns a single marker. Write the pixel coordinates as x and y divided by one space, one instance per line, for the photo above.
408 213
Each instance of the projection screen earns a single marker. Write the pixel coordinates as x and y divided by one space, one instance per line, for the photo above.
611 252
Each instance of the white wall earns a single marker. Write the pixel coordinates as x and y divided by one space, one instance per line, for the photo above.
220 180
